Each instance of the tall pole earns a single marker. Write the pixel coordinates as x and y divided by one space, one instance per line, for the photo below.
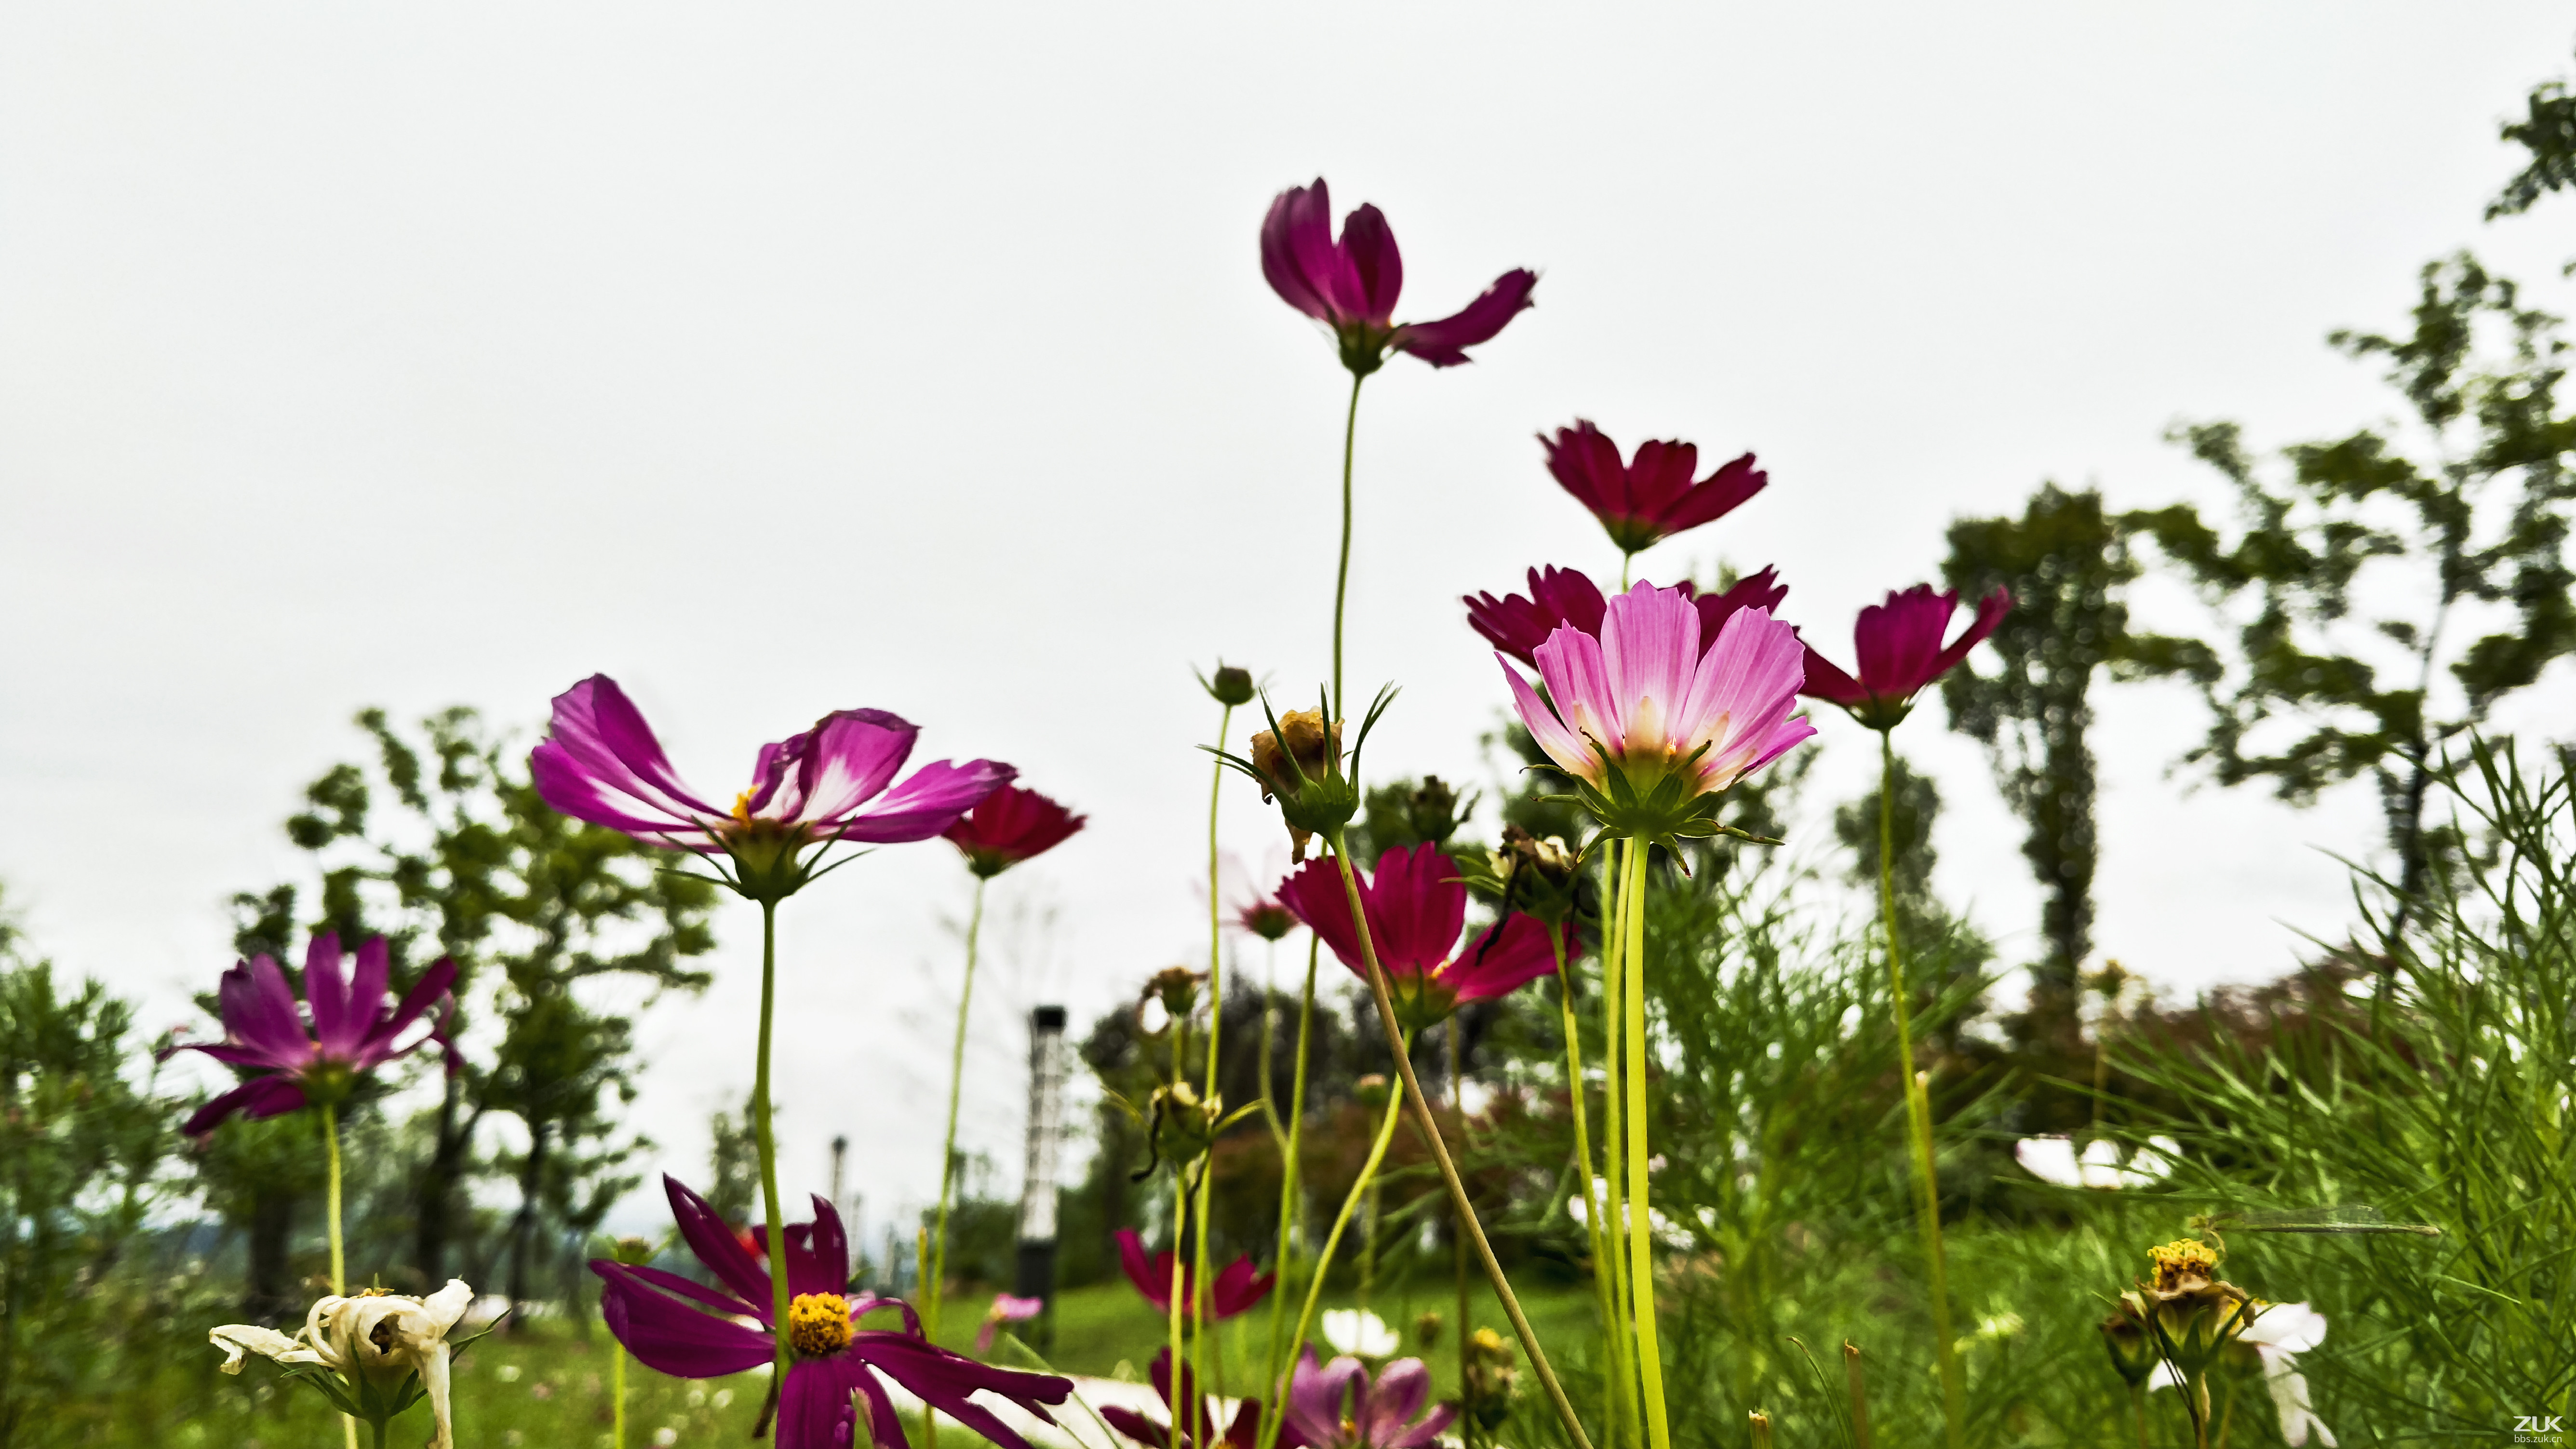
1034 1274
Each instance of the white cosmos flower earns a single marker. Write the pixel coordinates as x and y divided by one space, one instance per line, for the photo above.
2054 1160
380 1338
1359 1332
2278 1335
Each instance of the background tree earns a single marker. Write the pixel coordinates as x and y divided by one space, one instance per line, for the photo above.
466 861
2547 133
2368 572
2066 564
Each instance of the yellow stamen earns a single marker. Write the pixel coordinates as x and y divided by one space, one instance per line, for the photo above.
818 1323
742 807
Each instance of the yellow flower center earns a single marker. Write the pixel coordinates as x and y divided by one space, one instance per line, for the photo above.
2180 1260
818 1323
742 808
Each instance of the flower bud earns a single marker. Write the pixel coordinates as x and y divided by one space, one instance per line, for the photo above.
1301 766
1184 1126
1231 686
1426 1329
2125 1334
1431 811
1268 919
1492 1377
1371 1089
1177 988
631 1251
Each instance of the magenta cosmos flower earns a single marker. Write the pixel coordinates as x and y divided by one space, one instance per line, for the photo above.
1238 1284
1899 647
1650 498
1200 1431
599 762
1335 1406
1416 905
1562 597
1650 726
1009 826
1351 285
354 1029
689 1330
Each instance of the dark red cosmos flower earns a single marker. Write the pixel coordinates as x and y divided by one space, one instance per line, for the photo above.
1899 647
1562 597
1238 1285
1416 905
1351 285
1009 826
690 1330
1652 497
1199 1432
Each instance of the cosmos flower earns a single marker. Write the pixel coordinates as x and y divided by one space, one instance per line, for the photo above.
1200 1432
1238 1284
1644 501
1360 1332
383 1351
1564 598
1899 649
1416 905
600 762
2054 1160
1650 726
689 1330
354 1029
1351 285
1336 1406
1009 826
1007 1308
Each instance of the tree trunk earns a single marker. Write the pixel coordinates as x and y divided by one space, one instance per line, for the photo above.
435 1227
271 1295
524 1226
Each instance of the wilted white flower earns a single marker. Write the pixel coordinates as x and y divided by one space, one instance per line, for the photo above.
2278 1335
2054 1160
1358 1332
364 1351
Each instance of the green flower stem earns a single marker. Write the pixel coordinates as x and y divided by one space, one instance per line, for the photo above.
1641 1237
1342 573
1175 1308
1614 1212
935 1292
617 1393
765 1138
1274 1361
1467 1425
1918 1105
1581 1109
339 1258
1333 1241
2138 1411
1216 1026
1440 1155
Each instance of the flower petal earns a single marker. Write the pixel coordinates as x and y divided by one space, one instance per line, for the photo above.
259 1012
670 1337
1401 1389
926 803
1313 894
1297 231
713 1241
599 737
1554 739
1443 343
271 1096
1373 269
814 1406
327 994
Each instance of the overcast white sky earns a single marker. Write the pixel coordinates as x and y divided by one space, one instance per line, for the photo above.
780 358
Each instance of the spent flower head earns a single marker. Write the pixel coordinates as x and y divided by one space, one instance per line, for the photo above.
372 1354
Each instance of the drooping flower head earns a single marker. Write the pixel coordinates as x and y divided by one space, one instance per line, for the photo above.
600 762
689 1330
1652 497
376 1354
1351 285
1237 1287
1009 826
1416 906
354 1029
1898 645
1007 1308
1198 1428
1265 917
1336 1406
1299 762
1559 598
1651 727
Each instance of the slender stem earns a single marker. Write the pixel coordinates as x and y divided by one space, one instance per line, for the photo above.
1274 1363
1216 1028
1860 1396
938 1286
1342 1220
383 1427
1641 1237
1577 1093
339 1258
1440 1155
1458 1244
617 1391
1918 1105
1173 1306
1614 1212
1342 573
765 1138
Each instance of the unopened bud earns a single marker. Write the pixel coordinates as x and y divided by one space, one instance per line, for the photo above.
631 1251
2132 1348
1426 1329
1177 988
1184 1124
1371 1089
1230 686
1432 811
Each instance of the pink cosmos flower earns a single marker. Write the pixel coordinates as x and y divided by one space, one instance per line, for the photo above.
1335 1406
1007 1308
1009 826
354 1030
1651 498
687 1329
1899 647
600 762
1351 285
1648 724
1562 597
1238 1284
1416 905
